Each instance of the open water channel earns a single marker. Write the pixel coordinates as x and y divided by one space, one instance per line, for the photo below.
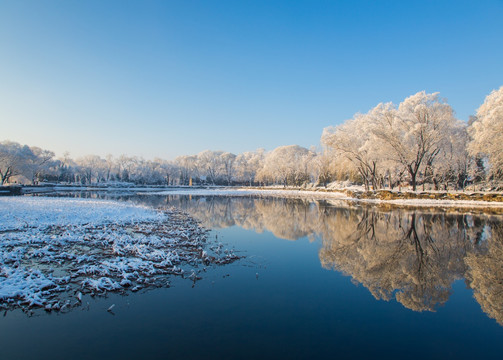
318 279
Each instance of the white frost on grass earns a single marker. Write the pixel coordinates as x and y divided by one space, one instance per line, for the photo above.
53 250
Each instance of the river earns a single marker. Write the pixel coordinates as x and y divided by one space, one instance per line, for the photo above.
317 279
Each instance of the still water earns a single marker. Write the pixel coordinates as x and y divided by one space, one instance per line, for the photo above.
318 279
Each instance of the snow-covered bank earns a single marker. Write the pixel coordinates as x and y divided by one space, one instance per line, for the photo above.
19 212
106 187
413 200
54 251
335 191
229 191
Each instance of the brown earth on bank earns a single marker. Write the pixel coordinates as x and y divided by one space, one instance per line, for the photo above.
402 195
389 195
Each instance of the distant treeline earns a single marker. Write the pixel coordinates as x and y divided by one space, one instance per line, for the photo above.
418 142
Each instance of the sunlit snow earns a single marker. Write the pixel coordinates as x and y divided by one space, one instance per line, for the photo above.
54 250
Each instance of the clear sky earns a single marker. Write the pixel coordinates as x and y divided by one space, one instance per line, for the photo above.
165 78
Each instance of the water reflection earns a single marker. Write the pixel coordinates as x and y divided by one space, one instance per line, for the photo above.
412 257
485 271
289 219
409 255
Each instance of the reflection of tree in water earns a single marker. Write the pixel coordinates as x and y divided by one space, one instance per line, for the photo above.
412 257
485 272
288 219
404 254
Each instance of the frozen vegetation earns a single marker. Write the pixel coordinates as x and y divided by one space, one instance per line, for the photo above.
56 251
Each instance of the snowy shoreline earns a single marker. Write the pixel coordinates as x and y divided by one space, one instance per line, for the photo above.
353 194
55 251
343 195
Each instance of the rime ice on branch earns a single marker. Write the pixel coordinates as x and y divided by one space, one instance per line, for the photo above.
420 137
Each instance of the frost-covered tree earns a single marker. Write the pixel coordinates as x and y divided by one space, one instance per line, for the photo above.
388 141
248 164
487 132
322 168
166 170
125 166
66 168
141 172
210 165
187 167
416 132
23 163
452 164
228 161
12 159
90 168
286 165
355 142
38 162
110 164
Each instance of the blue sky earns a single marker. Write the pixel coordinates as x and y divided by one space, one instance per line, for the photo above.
165 78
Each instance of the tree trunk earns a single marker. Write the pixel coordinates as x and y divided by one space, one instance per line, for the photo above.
435 182
413 174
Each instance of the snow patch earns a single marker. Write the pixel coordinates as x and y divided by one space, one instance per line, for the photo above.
54 251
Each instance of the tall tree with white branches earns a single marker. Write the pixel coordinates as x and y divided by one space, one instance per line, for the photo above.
487 132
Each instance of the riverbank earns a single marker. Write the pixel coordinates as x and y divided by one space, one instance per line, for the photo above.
490 201
481 202
466 201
